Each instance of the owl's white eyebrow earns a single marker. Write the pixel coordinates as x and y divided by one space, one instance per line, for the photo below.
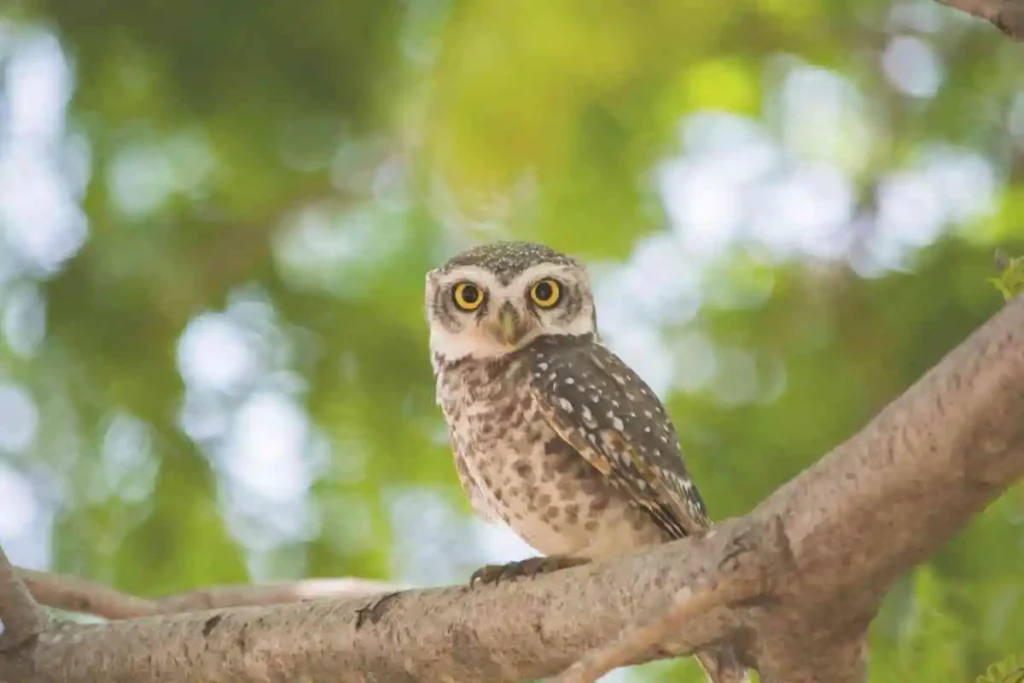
487 280
477 275
537 272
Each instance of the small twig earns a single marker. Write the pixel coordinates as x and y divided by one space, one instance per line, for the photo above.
273 594
22 617
1006 15
743 575
80 595
630 646
73 594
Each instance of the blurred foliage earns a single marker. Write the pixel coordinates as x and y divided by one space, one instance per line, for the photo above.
215 219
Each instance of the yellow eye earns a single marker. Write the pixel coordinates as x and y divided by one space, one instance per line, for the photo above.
467 296
546 293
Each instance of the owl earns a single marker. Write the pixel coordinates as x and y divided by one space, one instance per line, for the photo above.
552 433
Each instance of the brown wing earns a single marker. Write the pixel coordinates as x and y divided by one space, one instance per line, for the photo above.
597 404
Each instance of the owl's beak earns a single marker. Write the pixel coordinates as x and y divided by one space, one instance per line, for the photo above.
509 328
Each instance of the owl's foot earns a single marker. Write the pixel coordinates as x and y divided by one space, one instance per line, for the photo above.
493 573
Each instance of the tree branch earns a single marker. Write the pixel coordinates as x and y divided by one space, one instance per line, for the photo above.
519 630
852 523
1006 15
21 617
80 595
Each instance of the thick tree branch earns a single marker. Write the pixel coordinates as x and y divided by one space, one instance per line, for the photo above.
527 629
21 617
80 595
864 514
893 493
1006 15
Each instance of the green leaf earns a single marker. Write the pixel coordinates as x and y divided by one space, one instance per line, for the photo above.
1011 279
1009 670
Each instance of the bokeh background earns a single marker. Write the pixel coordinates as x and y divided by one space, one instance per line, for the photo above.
215 220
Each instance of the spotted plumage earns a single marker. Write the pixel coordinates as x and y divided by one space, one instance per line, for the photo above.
518 453
597 404
553 434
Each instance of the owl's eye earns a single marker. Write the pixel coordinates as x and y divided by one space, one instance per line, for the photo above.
546 293
467 296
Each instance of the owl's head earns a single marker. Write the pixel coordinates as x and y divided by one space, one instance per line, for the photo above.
498 298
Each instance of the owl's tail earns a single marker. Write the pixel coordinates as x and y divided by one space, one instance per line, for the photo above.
721 666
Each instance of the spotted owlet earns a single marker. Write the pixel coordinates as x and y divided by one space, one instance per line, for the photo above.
553 434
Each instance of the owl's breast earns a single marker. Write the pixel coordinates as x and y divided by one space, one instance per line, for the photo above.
516 469
495 429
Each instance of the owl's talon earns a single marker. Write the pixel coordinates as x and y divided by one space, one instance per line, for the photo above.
489 573
492 574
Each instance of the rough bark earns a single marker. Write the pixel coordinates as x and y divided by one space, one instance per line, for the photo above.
804 572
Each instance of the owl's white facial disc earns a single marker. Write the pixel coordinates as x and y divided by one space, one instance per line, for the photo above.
506 311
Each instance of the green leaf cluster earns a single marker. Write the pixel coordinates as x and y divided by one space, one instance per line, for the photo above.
1011 278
